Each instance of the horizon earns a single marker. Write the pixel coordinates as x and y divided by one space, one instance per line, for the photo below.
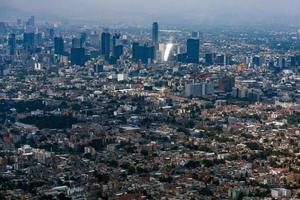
188 13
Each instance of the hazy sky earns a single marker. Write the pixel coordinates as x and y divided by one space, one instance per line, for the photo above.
169 11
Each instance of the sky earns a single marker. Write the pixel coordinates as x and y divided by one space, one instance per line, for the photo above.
166 11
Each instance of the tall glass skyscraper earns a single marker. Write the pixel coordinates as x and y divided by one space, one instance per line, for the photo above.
155 33
105 45
193 50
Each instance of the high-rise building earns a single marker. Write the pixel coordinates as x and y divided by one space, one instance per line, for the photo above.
198 89
115 39
95 40
83 36
144 53
220 60
135 51
76 43
30 24
28 42
196 34
105 45
98 68
12 44
155 33
295 60
59 45
38 39
226 83
193 50
118 51
182 57
256 60
78 56
210 58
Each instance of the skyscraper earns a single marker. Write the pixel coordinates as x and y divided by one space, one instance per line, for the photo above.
76 43
193 50
144 53
209 58
135 51
12 44
115 39
220 59
83 38
105 45
78 56
256 60
30 24
155 33
118 51
95 40
28 42
59 45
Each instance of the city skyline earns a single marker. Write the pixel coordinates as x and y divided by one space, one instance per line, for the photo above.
136 100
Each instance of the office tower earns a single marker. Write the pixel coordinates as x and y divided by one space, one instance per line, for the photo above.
155 33
145 54
28 42
210 58
271 64
220 60
83 39
95 40
228 60
59 45
30 24
78 56
105 45
149 54
198 89
12 44
193 50
226 83
118 51
256 60
38 39
115 39
98 68
135 51
196 34
182 57
76 43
